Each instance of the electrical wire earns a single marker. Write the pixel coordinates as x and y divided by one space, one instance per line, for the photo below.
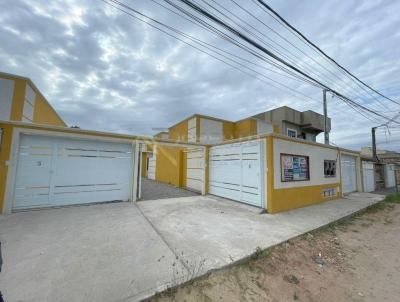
320 51
201 50
253 43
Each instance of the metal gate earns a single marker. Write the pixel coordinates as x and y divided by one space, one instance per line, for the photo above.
349 173
368 176
236 171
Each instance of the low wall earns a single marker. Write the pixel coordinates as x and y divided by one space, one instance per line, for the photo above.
284 193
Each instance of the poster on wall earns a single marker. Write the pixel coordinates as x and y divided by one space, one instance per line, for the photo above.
294 167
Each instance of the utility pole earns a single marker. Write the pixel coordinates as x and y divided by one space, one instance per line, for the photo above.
374 156
326 132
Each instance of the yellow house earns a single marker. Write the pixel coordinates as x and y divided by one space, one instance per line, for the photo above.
22 101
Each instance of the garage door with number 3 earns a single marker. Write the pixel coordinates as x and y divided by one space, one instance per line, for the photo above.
54 171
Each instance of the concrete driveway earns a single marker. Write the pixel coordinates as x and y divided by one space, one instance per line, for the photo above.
111 252
105 252
216 231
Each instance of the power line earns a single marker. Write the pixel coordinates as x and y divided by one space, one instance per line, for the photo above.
272 55
295 76
279 45
228 38
201 50
322 52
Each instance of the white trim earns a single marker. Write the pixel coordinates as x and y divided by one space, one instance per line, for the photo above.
290 129
203 188
135 158
13 160
264 171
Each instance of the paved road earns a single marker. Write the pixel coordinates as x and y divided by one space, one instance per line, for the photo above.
112 252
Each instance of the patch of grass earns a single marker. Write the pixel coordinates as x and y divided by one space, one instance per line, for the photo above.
260 253
374 208
393 198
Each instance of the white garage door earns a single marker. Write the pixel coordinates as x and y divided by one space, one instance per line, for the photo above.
236 172
195 169
369 179
349 173
59 171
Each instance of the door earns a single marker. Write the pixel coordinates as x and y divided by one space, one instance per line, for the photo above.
349 173
390 180
62 171
369 177
236 172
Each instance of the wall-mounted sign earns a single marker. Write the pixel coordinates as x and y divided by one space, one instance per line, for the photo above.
294 167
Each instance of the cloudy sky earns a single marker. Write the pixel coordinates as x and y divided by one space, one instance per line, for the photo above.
101 69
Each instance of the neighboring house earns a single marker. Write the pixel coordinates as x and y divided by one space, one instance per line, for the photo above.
384 156
161 135
44 163
385 169
20 100
283 120
287 121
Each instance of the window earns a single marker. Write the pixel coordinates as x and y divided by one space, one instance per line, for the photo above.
291 132
294 167
330 168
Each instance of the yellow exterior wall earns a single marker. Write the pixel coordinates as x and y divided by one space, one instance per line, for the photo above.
169 165
45 114
179 132
277 129
292 198
18 99
244 128
4 156
228 130
144 164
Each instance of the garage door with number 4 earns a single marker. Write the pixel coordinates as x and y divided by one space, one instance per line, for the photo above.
236 172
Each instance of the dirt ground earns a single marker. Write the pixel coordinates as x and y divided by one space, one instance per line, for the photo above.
354 260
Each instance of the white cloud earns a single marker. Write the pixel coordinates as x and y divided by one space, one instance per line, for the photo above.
103 70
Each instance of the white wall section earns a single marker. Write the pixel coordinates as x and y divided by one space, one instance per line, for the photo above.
195 169
6 98
264 127
151 172
192 130
317 155
29 104
211 131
